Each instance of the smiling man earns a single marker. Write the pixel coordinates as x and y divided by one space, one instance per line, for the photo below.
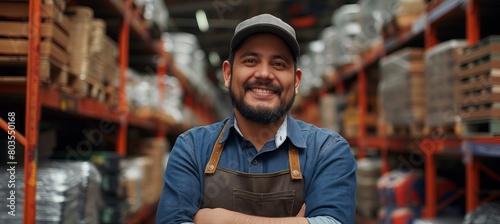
260 165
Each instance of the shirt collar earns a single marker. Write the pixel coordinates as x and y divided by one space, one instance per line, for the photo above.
280 136
293 130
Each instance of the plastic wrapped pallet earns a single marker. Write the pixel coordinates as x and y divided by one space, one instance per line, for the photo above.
402 86
329 114
329 36
487 213
367 174
372 19
305 63
440 220
440 73
67 192
350 40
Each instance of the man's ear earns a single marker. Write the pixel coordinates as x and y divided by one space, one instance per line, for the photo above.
298 78
226 72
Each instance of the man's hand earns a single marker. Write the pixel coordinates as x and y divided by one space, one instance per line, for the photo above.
222 216
302 212
210 216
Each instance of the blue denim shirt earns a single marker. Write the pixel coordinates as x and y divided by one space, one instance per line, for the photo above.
327 164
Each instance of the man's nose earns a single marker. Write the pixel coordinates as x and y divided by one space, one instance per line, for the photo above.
264 71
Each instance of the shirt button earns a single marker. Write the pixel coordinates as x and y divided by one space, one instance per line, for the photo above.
254 162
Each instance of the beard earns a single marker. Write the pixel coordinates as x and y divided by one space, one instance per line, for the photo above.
260 113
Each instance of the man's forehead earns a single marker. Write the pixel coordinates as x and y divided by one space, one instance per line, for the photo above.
257 45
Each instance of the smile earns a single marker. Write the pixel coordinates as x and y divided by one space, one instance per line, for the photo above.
263 91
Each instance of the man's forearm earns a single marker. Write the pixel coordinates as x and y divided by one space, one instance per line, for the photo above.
224 216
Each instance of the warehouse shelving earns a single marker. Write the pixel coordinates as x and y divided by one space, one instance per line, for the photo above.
128 31
443 21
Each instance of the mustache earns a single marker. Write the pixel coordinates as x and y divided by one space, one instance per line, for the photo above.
260 83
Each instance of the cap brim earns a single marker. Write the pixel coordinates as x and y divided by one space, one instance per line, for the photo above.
266 28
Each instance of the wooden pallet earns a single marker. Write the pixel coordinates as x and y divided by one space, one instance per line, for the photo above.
51 73
86 86
478 81
486 127
413 130
443 130
110 96
14 31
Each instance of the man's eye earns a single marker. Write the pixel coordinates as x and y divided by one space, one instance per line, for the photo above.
249 60
279 64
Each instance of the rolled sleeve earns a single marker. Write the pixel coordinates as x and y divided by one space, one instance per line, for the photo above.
323 220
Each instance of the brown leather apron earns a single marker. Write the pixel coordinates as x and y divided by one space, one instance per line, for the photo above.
277 194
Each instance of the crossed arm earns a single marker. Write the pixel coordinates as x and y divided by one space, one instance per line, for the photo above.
224 216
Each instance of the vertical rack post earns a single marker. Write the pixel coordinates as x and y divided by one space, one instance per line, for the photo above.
121 145
430 33
431 39
430 181
362 112
471 167
471 177
32 111
161 69
473 22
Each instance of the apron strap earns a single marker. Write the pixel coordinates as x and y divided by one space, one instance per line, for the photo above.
216 152
293 157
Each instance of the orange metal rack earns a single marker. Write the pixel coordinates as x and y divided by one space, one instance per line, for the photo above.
39 96
431 146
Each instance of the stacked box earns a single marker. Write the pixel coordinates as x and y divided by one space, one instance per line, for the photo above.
155 149
109 57
408 11
402 90
80 34
478 83
96 46
14 44
81 26
137 177
440 72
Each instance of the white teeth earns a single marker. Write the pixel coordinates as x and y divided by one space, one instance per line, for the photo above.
263 91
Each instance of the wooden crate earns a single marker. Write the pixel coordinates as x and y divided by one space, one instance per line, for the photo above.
478 81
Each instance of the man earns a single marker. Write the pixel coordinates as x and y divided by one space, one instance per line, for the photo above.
260 165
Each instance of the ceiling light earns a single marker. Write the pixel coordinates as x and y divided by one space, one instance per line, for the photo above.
201 19
214 58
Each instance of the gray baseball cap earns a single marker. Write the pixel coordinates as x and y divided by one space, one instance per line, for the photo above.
266 23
